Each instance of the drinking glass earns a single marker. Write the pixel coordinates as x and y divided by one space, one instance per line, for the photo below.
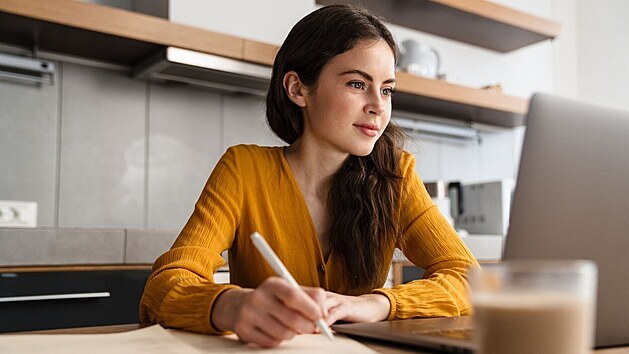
534 306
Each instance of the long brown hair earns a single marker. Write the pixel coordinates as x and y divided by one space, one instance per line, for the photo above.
364 194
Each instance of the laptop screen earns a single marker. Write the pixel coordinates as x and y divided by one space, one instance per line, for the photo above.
572 199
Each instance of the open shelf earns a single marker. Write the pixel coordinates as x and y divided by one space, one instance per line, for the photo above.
103 33
443 99
127 38
478 22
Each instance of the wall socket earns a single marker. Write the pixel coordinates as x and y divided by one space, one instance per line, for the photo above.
18 214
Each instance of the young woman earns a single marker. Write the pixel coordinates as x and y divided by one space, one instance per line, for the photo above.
333 204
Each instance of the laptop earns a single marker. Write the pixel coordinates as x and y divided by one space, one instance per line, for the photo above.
571 202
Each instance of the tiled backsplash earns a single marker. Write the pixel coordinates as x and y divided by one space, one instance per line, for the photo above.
102 150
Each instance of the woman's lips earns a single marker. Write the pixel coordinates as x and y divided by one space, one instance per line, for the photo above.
371 130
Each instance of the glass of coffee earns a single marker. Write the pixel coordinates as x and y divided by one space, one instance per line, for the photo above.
534 306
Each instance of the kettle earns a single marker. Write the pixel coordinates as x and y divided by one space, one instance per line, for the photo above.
419 59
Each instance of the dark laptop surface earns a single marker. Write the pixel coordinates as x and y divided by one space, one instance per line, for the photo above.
446 334
571 202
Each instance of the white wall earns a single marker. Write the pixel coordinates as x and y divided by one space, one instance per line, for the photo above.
590 57
603 52
266 21
565 54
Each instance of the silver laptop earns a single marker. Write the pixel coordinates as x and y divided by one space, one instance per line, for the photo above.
571 202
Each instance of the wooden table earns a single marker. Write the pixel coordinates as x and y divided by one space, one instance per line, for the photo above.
379 346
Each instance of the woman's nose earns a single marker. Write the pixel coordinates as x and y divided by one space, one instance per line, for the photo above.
376 104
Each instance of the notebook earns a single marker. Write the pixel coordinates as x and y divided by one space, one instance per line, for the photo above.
571 202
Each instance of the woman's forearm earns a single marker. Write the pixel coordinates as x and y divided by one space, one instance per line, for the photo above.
379 307
362 308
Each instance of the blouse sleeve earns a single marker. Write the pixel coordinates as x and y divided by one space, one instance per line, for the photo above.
181 290
431 243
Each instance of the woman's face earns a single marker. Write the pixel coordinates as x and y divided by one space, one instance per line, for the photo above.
350 106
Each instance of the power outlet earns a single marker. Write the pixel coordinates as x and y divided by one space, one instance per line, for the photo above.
18 214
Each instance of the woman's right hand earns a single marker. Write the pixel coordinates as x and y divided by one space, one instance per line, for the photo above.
269 314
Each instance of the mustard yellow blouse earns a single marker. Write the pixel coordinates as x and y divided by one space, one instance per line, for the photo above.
252 189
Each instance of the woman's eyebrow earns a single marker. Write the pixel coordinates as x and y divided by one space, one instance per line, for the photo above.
365 75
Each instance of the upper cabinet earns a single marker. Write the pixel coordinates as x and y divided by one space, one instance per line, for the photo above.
478 22
131 39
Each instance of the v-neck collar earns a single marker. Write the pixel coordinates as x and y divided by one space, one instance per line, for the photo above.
302 201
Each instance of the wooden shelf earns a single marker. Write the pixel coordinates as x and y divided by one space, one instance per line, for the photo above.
478 22
444 99
103 33
127 38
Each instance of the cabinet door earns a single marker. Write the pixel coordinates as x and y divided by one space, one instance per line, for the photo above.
49 300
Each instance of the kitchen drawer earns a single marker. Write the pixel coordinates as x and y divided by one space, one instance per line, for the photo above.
77 299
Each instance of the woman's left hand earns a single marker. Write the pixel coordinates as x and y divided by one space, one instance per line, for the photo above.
363 308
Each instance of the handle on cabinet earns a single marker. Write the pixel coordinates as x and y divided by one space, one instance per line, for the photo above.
55 297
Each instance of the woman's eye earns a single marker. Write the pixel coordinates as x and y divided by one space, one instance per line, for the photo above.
357 85
388 91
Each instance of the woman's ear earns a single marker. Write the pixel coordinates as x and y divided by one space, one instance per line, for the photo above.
295 89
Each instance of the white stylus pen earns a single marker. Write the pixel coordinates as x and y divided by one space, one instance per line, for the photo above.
282 272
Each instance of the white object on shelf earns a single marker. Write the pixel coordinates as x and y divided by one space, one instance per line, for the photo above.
18 214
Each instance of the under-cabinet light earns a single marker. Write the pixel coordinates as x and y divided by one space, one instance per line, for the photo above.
18 68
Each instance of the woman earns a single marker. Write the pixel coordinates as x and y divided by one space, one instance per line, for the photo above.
333 205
